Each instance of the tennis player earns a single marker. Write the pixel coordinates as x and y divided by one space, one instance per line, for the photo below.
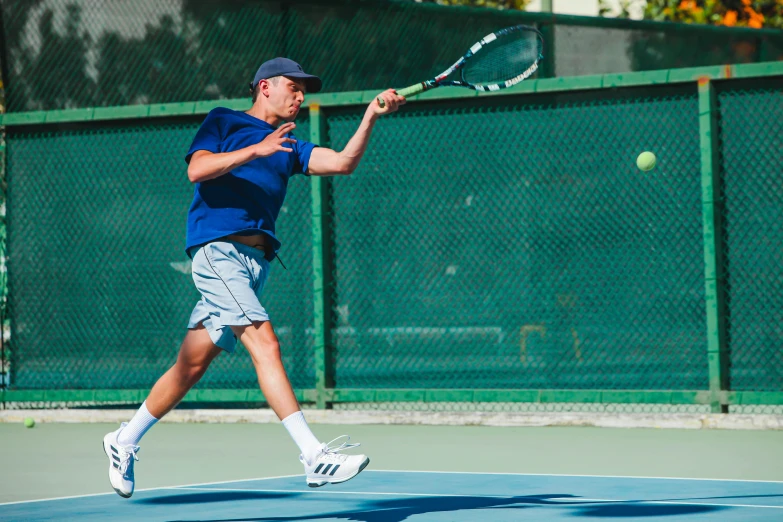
240 164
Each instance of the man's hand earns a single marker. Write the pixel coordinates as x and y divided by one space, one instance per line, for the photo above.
390 98
275 141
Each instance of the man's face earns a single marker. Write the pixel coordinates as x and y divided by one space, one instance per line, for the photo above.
286 97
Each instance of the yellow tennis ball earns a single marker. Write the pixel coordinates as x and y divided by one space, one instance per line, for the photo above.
29 422
646 161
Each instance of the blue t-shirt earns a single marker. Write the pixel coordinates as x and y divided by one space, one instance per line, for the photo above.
246 200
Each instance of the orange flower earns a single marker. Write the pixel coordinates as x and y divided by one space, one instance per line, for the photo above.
755 20
687 4
730 20
746 3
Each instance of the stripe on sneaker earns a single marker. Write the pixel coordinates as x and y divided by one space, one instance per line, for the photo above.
326 469
335 469
113 448
115 457
321 465
115 465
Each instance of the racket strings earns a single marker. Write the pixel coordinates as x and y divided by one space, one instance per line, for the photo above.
504 59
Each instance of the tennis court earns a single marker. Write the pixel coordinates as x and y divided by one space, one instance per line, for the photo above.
549 289
393 496
232 472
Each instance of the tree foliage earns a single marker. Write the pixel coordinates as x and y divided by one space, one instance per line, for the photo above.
731 13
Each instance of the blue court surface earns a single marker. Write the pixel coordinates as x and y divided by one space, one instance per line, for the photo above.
394 496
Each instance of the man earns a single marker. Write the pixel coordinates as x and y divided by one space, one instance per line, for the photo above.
240 163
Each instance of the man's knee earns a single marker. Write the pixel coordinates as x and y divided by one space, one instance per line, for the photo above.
195 355
261 341
192 371
264 349
195 372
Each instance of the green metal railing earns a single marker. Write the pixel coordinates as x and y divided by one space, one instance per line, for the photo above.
678 343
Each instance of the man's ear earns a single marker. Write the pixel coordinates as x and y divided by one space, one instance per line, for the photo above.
264 87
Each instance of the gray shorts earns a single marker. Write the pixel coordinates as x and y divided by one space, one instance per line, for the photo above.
230 277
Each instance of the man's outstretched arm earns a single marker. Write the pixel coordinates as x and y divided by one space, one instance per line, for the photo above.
327 162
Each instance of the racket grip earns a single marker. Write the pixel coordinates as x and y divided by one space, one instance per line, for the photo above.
407 91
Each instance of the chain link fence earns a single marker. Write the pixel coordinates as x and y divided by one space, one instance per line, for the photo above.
100 286
752 139
489 243
513 244
90 53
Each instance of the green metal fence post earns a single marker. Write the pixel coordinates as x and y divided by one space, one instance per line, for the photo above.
322 270
547 28
714 276
548 67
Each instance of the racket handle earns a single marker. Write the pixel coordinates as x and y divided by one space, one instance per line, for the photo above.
407 91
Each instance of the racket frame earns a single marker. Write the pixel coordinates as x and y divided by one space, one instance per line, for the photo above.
440 80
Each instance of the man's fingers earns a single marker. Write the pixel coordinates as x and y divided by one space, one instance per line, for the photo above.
391 100
399 99
286 127
284 149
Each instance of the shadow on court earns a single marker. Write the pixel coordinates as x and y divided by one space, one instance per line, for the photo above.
398 510
644 510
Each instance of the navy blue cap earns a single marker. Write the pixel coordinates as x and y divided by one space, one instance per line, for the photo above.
285 67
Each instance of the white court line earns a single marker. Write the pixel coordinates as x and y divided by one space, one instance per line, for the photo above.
148 489
565 475
547 503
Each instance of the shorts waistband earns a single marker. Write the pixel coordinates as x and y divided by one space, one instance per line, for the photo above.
261 243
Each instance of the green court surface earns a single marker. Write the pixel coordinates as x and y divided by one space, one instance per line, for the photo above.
57 460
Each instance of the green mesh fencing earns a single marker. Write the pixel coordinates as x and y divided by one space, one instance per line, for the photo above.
78 53
495 253
752 141
100 285
513 244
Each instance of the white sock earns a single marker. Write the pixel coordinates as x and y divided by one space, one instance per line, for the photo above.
299 430
137 427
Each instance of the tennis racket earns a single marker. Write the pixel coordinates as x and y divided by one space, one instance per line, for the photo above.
499 60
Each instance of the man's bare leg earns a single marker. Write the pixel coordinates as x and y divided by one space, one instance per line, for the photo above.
322 465
261 342
195 355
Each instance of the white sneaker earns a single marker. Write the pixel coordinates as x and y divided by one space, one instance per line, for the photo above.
120 463
333 468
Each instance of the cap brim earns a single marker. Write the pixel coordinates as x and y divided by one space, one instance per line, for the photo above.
313 83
